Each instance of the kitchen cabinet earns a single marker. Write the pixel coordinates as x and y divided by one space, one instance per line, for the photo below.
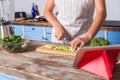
48 33
17 29
34 32
44 33
100 34
113 36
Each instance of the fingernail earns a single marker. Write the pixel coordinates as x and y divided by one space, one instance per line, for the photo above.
72 50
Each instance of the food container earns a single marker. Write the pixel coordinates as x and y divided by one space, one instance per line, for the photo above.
15 47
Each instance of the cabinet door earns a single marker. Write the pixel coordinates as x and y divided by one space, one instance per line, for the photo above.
113 37
17 29
34 33
100 34
48 34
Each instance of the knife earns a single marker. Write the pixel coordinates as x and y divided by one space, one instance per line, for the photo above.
63 41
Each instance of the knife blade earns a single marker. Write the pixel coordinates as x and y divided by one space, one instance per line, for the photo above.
63 41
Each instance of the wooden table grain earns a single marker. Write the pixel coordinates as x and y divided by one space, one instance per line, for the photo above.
32 65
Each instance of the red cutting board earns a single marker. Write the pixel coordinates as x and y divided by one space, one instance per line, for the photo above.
44 49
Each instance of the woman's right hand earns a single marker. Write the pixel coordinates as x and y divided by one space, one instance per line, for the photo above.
60 33
48 12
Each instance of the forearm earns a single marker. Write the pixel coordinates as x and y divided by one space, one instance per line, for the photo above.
52 19
96 25
59 30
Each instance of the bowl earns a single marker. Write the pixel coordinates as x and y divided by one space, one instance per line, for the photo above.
14 46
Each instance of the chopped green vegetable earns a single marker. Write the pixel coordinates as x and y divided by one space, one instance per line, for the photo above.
99 41
13 43
63 48
49 46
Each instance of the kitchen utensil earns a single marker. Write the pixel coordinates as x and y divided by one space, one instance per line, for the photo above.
63 40
4 18
44 49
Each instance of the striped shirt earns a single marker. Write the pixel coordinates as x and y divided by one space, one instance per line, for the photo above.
76 16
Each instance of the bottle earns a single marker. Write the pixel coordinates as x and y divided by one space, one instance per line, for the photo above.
37 14
33 10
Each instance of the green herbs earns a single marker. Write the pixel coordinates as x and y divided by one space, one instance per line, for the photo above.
13 39
63 48
13 43
99 41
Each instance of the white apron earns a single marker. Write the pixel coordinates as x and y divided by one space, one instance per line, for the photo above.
76 17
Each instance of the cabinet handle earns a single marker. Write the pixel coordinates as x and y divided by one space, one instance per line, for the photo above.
13 27
48 33
33 28
44 38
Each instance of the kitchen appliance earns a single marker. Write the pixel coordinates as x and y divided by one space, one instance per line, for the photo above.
20 15
5 18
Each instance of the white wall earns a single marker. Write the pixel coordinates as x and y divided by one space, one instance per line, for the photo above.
12 9
113 7
7 9
26 5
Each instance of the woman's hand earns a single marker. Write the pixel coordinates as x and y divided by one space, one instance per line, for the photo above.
48 12
60 33
79 42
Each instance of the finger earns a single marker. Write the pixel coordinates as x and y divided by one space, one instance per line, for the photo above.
55 35
74 46
77 44
60 36
82 44
73 42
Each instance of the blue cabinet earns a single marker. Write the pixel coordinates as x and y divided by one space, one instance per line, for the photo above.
17 29
48 34
44 33
100 34
34 32
113 36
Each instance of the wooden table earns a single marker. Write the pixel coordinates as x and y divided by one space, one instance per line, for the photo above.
31 65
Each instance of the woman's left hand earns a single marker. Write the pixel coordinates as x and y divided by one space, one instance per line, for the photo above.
79 42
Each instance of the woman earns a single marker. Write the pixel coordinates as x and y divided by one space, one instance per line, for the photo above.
74 22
